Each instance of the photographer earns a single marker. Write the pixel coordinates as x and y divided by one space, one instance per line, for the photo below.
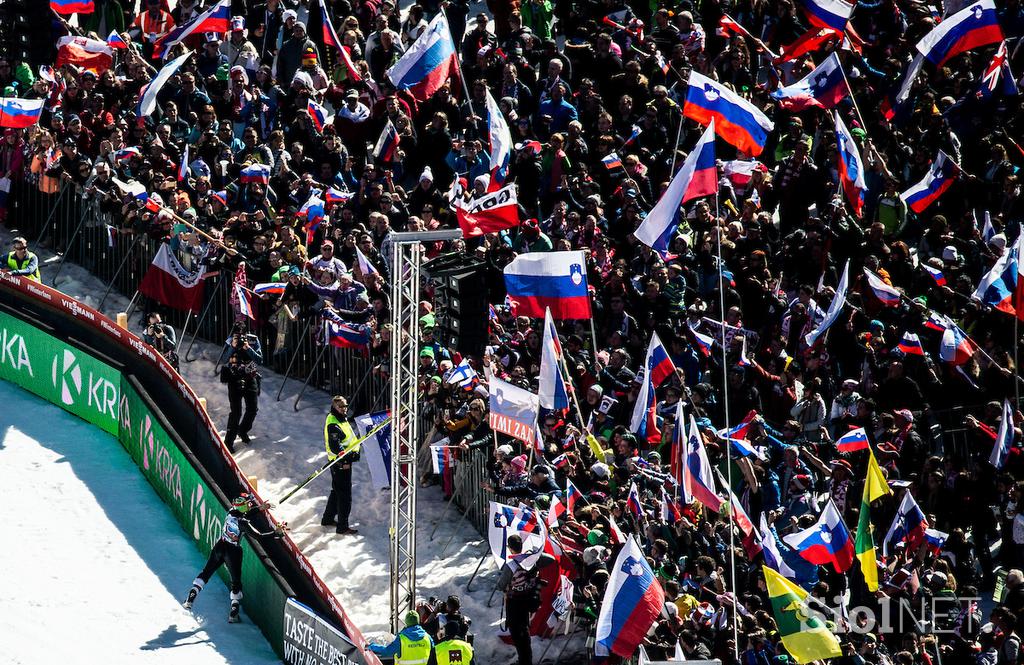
242 376
519 581
161 337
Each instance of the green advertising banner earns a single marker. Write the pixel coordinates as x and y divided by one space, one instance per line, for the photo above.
59 373
92 390
195 506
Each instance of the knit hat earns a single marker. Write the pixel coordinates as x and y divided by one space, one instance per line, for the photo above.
519 463
412 618
801 481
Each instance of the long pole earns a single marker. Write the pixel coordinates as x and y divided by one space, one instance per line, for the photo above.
675 147
1016 343
728 457
862 123
352 446
458 66
120 267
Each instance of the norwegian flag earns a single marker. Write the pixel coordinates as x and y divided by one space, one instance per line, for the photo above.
997 71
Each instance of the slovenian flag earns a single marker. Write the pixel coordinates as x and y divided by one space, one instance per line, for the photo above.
441 459
270 288
852 441
935 273
65 7
633 502
114 40
973 26
538 280
850 165
704 343
697 177
909 525
365 267
633 600
317 114
1004 438
183 167
939 178
387 143
244 306
147 96
698 481
345 335
828 541
834 14
256 173
910 344
886 294
552 391
20 113
501 143
737 121
999 285
611 161
335 195
658 368
956 347
824 88
331 39
429 63
215 19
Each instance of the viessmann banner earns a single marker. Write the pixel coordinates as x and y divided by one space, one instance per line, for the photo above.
59 373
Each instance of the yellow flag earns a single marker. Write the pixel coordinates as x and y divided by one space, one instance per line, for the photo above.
803 633
875 487
595 447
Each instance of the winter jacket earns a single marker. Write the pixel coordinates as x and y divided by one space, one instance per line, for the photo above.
395 647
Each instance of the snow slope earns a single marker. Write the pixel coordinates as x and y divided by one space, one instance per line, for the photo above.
95 566
287 446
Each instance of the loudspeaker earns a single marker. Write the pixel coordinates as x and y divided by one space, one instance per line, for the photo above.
460 301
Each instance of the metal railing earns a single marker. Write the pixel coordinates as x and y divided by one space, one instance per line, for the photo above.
81 232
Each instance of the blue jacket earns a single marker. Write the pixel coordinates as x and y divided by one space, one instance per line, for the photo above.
395 648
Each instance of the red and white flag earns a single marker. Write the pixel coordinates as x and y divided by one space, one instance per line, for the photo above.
170 284
490 213
85 53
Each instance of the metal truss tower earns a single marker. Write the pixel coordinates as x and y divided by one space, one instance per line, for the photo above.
405 346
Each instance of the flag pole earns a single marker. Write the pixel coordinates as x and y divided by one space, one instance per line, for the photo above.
728 460
1016 343
863 124
458 64
675 148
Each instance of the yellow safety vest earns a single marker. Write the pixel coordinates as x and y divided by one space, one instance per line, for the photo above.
453 652
346 429
12 263
414 652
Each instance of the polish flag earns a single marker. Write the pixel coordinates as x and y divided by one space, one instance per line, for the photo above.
169 283
84 53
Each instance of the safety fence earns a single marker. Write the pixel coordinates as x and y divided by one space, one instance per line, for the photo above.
86 231
89 232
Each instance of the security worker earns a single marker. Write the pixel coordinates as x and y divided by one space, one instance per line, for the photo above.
338 438
455 650
21 261
412 646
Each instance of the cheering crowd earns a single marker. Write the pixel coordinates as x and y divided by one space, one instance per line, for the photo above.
823 315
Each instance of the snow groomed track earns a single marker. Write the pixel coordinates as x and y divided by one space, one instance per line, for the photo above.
95 566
